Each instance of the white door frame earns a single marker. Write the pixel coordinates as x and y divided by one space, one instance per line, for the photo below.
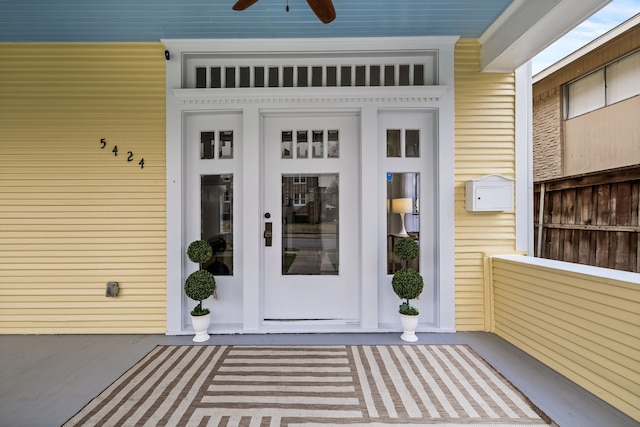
251 104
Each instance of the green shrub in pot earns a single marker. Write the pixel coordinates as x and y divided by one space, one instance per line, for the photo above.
407 283
200 284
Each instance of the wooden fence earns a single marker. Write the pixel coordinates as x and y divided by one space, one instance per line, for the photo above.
591 219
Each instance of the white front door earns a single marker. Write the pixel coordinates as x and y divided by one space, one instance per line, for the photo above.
311 211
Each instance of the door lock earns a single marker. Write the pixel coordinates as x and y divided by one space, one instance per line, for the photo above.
268 233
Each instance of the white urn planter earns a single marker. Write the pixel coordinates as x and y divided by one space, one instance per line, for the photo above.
201 326
409 325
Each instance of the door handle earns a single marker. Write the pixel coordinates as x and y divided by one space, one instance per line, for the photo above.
268 233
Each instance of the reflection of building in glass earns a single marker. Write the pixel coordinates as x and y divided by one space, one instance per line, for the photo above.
224 144
309 199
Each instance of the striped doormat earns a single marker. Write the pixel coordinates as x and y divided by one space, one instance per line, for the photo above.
310 385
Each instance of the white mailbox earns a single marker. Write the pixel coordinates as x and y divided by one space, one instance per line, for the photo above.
489 193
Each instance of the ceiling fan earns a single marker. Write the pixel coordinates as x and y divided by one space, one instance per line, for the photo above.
322 8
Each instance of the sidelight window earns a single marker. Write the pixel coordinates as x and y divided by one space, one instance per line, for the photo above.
216 199
403 214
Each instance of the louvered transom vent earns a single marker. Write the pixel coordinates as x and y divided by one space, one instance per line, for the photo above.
224 73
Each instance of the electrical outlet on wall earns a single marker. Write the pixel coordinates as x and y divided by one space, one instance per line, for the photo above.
112 289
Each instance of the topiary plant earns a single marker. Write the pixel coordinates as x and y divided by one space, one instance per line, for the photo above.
200 284
407 283
406 249
199 251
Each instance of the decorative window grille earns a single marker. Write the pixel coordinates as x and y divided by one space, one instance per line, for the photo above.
324 144
225 72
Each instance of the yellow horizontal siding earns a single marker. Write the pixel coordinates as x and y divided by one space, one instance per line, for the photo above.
75 216
585 327
484 144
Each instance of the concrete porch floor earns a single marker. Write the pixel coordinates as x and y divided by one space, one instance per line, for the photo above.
46 379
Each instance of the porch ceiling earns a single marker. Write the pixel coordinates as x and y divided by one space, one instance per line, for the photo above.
512 31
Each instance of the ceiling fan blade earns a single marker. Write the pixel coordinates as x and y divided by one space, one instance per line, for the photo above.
243 4
323 9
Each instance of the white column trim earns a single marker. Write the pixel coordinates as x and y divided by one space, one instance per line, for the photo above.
445 227
524 160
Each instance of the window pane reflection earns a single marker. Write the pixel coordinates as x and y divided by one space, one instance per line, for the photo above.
334 144
318 144
403 214
310 224
302 144
286 144
393 143
216 198
224 145
412 143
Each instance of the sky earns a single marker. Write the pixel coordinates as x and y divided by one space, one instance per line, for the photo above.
599 23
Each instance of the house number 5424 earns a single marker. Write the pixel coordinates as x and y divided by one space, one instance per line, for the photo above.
114 150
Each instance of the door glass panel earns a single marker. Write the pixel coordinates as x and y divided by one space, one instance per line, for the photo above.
310 224
318 144
207 145
216 199
412 143
302 144
393 143
403 214
224 145
287 144
334 144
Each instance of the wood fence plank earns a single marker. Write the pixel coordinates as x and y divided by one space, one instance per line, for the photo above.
554 246
584 247
623 204
556 207
568 206
621 258
603 203
613 204
602 249
634 249
635 203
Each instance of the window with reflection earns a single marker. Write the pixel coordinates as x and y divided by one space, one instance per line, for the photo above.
403 143
393 143
216 148
310 224
216 199
412 143
403 214
305 144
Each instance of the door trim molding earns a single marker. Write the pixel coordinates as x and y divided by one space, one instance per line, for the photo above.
359 95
